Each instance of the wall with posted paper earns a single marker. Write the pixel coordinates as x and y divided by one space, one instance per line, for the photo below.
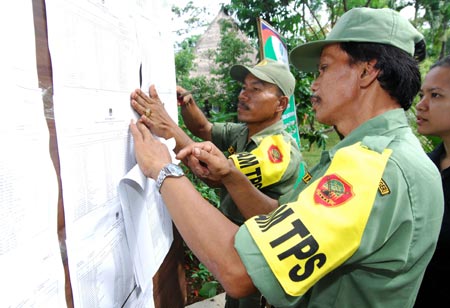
116 229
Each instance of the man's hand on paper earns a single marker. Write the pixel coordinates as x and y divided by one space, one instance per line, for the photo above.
152 112
151 154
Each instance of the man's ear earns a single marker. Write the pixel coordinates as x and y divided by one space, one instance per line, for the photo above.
368 73
283 103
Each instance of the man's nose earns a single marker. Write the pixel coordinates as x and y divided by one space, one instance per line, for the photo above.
243 95
314 86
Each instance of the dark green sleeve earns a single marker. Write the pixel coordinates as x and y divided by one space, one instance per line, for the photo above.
224 134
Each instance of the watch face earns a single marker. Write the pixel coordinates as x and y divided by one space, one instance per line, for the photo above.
174 169
169 170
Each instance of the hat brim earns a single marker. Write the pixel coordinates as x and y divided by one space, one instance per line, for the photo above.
306 57
239 72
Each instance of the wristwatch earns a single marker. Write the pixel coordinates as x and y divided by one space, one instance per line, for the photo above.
169 170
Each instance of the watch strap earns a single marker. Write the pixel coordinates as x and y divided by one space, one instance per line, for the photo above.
169 170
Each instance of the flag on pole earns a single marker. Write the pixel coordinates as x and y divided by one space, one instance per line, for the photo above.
272 46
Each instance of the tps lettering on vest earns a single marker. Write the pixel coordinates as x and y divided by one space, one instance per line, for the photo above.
249 165
323 227
306 246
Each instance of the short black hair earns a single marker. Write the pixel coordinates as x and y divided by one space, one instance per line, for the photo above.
399 72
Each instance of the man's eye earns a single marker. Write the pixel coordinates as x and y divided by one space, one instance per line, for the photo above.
322 67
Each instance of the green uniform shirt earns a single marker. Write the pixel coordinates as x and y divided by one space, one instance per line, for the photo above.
395 240
271 160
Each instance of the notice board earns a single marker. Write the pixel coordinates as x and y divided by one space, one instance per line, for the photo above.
64 118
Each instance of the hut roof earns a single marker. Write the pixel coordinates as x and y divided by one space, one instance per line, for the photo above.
209 42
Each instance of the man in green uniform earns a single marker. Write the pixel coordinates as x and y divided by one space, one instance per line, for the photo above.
259 146
361 229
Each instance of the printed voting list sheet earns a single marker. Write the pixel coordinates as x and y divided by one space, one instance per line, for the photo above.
147 222
32 273
100 53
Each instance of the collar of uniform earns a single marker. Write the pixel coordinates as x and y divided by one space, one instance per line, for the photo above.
379 125
276 127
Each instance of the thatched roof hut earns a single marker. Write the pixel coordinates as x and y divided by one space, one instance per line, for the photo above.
209 42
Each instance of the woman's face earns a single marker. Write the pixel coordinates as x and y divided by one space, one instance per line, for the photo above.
433 110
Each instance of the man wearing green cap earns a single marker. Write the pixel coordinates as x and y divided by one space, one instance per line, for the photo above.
361 228
259 146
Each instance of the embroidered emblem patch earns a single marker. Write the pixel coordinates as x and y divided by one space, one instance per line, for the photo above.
274 154
383 188
332 190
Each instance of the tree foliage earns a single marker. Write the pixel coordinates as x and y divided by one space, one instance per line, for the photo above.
217 93
303 20
298 21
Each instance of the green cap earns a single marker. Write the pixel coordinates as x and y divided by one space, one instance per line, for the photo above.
384 26
267 70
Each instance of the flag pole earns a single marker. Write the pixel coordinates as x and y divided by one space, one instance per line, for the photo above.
260 39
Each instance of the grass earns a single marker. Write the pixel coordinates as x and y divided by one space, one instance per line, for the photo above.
312 156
